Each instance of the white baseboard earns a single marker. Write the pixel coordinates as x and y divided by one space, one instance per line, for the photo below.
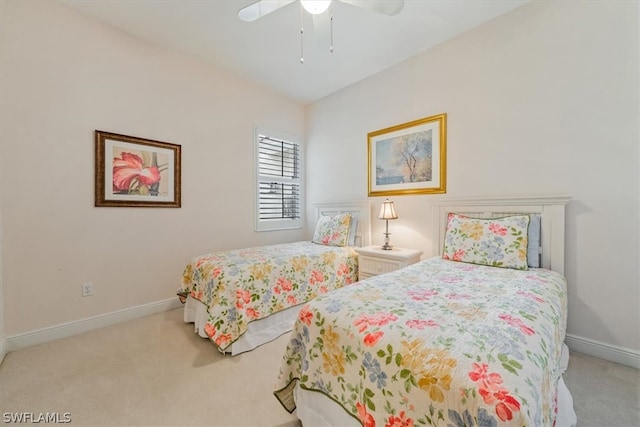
3 349
64 330
612 353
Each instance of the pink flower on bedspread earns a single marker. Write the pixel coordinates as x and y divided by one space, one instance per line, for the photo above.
371 339
343 270
205 259
507 406
422 295
365 417
518 323
209 329
530 295
420 324
488 380
223 340
292 300
242 297
492 392
252 313
285 284
379 319
305 315
316 277
399 421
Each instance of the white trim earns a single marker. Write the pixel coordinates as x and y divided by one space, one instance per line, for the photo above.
3 349
18 342
612 353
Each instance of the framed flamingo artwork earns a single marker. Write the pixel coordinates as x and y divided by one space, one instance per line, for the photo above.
136 172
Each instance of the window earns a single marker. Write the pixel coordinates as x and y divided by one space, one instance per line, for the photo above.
278 181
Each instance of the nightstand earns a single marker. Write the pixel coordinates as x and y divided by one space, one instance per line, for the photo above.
373 261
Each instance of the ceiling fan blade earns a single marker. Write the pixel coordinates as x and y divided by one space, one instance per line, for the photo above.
388 7
261 8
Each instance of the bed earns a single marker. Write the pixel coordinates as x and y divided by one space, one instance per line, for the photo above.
459 339
243 298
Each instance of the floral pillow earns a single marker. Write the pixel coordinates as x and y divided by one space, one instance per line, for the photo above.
332 230
498 242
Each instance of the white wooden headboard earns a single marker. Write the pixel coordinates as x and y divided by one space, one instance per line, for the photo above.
551 210
360 209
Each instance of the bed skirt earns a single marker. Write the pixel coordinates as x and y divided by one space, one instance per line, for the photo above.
259 331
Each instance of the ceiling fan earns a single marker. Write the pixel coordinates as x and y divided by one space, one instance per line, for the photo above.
264 7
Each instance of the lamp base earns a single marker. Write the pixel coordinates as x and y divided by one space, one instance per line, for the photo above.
386 246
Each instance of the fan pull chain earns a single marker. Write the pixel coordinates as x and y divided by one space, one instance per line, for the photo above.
331 30
301 34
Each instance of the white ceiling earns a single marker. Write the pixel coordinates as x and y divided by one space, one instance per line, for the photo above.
267 51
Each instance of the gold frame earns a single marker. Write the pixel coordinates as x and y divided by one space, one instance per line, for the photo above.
437 128
136 192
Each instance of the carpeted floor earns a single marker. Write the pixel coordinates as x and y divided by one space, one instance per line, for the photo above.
156 371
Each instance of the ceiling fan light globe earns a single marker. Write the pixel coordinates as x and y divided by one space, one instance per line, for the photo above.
315 7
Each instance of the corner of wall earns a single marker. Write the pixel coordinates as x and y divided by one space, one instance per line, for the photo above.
612 353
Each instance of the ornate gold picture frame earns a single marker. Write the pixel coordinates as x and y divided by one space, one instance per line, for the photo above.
136 172
409 158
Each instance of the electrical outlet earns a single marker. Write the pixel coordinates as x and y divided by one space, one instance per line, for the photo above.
87 289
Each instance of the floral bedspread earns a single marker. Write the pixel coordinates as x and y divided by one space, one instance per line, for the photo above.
439 343
244 285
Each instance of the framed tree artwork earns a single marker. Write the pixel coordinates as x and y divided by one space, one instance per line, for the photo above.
409 158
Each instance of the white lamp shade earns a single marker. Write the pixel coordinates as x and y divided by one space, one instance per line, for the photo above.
315 7
387 211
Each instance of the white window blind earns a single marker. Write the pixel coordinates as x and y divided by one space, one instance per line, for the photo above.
278 186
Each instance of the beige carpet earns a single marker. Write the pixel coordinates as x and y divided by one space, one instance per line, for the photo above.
156 371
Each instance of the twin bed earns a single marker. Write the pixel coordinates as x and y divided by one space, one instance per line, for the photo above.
472 336
444 342
244 298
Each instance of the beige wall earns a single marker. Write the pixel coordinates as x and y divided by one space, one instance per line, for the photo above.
541 101
62 77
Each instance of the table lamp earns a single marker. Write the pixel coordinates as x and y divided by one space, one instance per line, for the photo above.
387 212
